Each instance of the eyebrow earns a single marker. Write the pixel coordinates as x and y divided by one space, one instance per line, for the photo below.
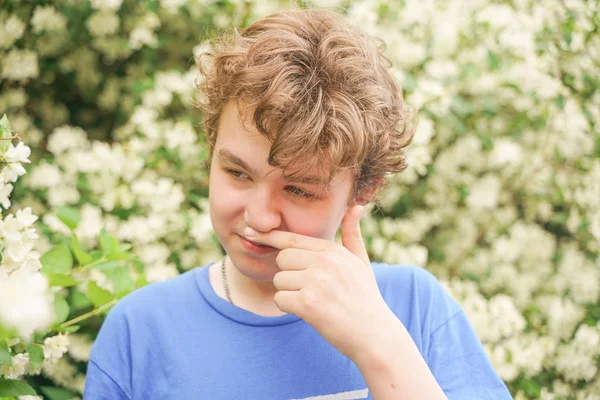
228 156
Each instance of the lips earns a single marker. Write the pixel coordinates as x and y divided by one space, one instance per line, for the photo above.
254 247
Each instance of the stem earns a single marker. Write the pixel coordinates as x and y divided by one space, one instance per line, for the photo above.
11 138
90 265
87 315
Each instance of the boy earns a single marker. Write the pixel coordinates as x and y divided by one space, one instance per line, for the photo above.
302 118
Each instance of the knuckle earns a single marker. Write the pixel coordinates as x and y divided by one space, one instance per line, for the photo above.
278 298
292 241
277 280
310 301
326 257
321 279
280 257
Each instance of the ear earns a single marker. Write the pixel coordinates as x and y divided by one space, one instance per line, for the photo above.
365 196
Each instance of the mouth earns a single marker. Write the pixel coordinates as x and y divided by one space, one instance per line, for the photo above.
255 248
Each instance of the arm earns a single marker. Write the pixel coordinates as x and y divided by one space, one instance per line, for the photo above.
101 386
109 367
394 369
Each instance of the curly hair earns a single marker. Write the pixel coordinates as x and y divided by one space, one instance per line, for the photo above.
317 88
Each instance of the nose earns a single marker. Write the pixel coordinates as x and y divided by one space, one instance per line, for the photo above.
262 211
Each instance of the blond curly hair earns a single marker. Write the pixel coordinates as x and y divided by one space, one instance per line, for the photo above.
317 88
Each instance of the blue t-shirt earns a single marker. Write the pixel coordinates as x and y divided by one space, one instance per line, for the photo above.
178 339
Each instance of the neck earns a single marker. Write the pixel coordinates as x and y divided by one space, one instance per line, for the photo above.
250 294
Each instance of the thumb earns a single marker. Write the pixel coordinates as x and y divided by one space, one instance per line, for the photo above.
351 236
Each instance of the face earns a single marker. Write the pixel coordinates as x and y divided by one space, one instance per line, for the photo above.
245 191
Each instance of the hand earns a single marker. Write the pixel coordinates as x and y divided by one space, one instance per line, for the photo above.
331 286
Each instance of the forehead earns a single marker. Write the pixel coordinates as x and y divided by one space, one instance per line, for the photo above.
239 137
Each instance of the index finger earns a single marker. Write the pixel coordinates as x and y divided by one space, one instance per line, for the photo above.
286 240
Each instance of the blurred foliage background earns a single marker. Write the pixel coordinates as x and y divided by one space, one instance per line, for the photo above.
501 199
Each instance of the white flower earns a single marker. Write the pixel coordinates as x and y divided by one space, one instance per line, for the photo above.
17 370
80 347
12 171
406 255
47 19
201 229
161 272
107 5
55 347
44 175
444 70
55 224
445 34
10 30
172 6
424 132
18 154
595 225
90 225
407 54
25 217
153 253
485 193
103 23
5 191
10 228
180 136
141 36
31 303
20 65
66 138
506 151
62 195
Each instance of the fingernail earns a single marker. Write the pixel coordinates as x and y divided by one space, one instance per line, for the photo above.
249 232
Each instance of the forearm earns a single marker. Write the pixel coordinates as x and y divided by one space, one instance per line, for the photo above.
394 369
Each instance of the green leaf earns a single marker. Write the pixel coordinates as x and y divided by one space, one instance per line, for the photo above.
36 355
79 301
82 257
125 246
5 357
108 243
55 393
461 107
141 281
96 255
61 308
107 265
5 133
98 295
72 328
122 280
60 280
70 216
7 333
13 387
57 260
67 329
494 61
119 255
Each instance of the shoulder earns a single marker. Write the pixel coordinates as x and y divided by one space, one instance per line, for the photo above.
150 304
415 295
157 296
412 279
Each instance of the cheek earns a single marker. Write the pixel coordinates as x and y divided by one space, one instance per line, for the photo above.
320 222
224 205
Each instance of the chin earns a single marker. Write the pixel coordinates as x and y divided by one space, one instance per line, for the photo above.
259 269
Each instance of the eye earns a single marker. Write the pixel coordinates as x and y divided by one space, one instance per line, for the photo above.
237 174
296 191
